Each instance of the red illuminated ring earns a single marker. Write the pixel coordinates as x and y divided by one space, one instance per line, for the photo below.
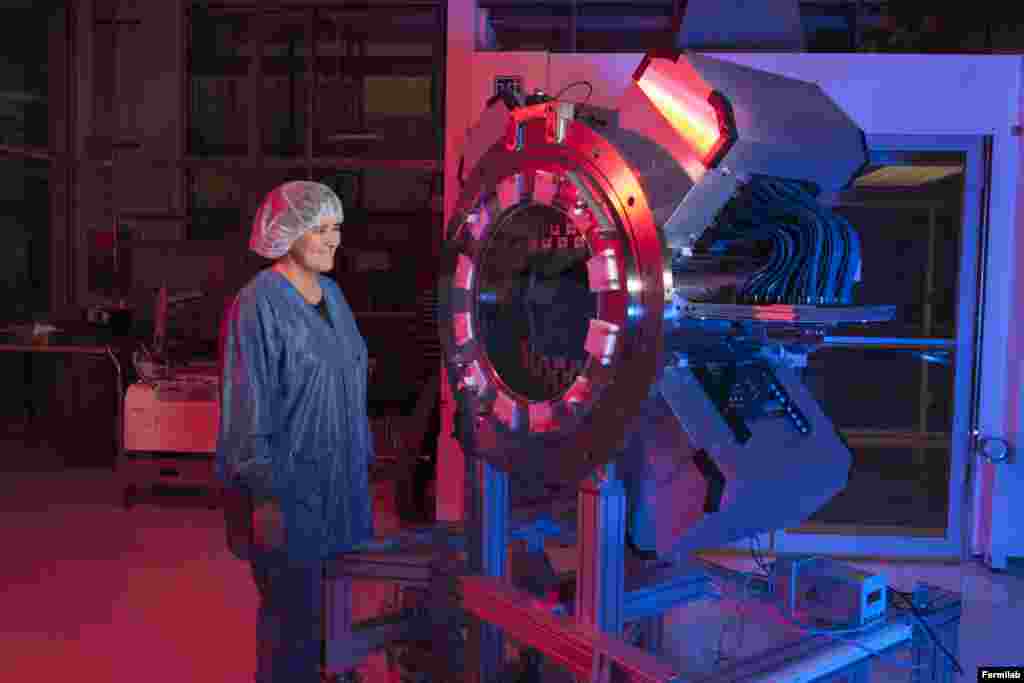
476 370
511 410
584 425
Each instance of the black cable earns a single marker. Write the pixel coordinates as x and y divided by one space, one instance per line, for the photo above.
814 254
755 553
906 597
928 629
573 85
804 284
855 261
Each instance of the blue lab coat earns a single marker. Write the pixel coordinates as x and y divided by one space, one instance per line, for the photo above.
293 422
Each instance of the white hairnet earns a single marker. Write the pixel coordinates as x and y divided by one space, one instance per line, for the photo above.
288 212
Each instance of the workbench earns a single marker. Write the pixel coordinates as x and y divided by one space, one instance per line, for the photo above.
72 339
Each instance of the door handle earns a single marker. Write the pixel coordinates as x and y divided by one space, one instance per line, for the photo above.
994 450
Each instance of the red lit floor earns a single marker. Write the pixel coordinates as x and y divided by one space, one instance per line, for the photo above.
91 592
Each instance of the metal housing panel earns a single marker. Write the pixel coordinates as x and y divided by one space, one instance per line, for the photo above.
776 479
787 128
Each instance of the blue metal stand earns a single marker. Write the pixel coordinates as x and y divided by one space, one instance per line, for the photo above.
488 533
601 549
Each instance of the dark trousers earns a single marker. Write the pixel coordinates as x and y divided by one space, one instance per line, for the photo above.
289 627
426 465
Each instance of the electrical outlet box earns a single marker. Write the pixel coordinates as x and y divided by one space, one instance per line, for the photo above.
823 593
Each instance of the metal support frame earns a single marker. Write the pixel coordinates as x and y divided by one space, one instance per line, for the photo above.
601 538
581 650
427 566
652 633
487 555
591 655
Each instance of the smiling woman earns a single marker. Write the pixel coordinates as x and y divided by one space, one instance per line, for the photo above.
294 437
310 256
298 226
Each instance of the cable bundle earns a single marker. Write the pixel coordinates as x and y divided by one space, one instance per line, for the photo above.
815 254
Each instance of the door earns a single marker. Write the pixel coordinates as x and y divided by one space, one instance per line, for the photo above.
901 394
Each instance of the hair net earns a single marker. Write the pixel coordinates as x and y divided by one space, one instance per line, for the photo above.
288 212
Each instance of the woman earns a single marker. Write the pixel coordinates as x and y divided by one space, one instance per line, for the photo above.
294 435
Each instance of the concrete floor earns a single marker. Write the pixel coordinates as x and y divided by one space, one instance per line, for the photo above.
89 591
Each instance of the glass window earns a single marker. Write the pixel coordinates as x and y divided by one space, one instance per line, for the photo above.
219 52
890 389
916 395
398 190
911 258
286 83
377 92
348 185
539 27
218 33
828 27
215 203
25 198
599 28
908 490
24 78
377 117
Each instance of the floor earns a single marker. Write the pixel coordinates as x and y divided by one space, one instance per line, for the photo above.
89 591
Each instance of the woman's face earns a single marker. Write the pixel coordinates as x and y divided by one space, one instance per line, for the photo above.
315 250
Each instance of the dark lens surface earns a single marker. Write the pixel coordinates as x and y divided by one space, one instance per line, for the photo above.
535 304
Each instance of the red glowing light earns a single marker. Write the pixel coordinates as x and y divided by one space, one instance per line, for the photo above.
688 104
